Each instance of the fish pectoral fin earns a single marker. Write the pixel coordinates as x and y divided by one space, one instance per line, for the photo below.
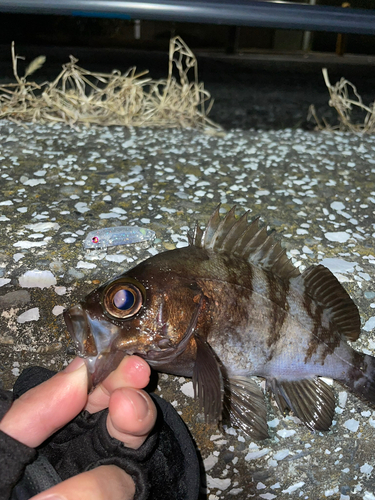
208 381
323 286
311 400
244 402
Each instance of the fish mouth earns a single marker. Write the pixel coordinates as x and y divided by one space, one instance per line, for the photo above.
77 324
93 338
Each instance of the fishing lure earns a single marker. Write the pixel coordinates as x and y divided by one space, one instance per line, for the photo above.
120 235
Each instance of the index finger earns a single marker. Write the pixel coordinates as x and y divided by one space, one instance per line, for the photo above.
41 411
133 371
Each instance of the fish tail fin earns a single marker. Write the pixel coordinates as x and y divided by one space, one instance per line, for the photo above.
360 377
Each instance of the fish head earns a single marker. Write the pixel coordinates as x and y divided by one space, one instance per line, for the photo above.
146 311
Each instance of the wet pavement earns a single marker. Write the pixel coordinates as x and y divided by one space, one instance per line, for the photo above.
316 189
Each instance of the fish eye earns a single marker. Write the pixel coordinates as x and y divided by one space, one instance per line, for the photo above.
95 239
123 300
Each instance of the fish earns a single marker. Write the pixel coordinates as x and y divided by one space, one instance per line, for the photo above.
229 310
119 235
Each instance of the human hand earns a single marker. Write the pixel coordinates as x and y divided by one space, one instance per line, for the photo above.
43 410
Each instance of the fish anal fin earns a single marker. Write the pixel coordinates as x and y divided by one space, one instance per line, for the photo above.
311 400
321 285
244 403
245 240
208 381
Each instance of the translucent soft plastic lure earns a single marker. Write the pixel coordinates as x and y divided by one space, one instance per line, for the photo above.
120 235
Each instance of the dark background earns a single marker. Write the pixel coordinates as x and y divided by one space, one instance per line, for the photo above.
264 80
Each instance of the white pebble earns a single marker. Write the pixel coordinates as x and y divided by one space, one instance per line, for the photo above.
37 279
85 265
81 207
18 256
210 462
256 454
33 182
40 173
306 249
215 482
109 215
366 468
273 423
370 324
30 244
352 425
30 315
284 433
42 227
261 486
337 205
58 310
115 258
294 487
188 389
235 491
343 396
280 455
329 493
339 236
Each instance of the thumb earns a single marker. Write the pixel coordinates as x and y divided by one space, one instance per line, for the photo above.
41 411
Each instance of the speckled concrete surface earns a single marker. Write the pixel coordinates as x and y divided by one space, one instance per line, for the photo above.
316 189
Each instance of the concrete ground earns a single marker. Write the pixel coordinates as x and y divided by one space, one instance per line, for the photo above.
315 188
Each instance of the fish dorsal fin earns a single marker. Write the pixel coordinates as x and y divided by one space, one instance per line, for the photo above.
311 400
321 285
244 403
244 240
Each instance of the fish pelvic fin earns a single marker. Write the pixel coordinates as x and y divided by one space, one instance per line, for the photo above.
208 381
322 286
311 400
244 240
245 406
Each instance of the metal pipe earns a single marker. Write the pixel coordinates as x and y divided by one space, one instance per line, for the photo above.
268 14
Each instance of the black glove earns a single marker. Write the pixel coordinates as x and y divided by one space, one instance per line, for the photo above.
164 467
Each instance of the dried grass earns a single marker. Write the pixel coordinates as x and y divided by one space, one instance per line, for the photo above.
345 99
78 96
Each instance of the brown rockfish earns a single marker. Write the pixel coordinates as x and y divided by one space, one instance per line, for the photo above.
229 307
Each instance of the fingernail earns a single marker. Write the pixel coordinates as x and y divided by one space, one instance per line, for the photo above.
75 365
142 408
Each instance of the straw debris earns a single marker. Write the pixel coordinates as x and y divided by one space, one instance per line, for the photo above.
78 96
344 98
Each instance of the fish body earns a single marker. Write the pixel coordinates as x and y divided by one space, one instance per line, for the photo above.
226 309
